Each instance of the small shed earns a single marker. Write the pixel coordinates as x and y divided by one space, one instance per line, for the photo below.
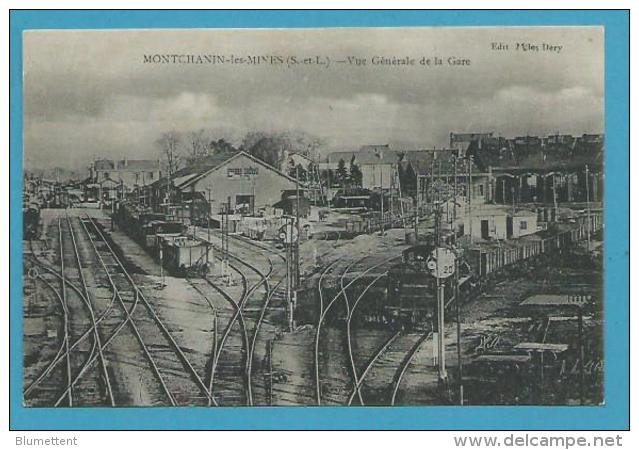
289 206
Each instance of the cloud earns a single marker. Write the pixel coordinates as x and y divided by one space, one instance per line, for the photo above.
89 93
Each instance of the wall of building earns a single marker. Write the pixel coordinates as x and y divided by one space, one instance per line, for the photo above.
243 176
372 173
129 178
523 225
480 192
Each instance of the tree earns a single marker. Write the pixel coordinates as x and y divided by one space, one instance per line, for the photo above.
300 172
341 173
312 172
169 145
270 148
196 144
355 174
221 146
291 168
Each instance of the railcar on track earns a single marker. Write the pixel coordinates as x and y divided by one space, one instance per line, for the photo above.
164 239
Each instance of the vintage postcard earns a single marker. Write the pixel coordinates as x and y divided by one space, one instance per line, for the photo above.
313 217
398 216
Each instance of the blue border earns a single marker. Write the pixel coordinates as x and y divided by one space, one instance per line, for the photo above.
614 415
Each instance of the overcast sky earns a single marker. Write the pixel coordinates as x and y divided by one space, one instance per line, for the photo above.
89 93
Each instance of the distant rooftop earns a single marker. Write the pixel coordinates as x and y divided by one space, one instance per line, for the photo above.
127 164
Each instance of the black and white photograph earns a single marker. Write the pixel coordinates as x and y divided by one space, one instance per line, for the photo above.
407 216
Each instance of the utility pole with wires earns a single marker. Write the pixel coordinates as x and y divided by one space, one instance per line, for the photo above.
455 189
296 249
469 192
554 196
226 211
441 264
381 196
588 204
416 204
289 237
297 227
460 377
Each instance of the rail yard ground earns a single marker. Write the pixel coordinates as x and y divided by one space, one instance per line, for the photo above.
105 325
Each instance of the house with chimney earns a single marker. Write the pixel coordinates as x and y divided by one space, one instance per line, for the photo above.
130 173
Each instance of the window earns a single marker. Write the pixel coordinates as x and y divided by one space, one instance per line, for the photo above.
239 171
523 225
150 175
481 190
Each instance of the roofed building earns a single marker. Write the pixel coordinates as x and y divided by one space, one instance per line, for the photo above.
127 172
246 181
378 164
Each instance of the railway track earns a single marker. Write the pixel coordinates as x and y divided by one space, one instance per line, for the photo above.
89 380
325 311
248 310
176 379
403 367
358 379
79 351
61 376
349 338
382 375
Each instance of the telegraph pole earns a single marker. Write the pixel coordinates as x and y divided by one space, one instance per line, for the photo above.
297 226
458 319
381 195
208 217
416 205
554 195
226 251
588 204
296 279
455 189
442 264
441 353
291 295
470 198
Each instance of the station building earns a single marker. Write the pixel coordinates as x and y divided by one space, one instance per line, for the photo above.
248 183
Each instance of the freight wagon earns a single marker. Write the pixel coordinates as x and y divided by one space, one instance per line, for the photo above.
411 291
490 258
31 221
184 255
164 239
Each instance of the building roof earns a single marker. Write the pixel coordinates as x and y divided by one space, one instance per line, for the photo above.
556 300
489 210
367 155
541 347
533 153
467 137
384 154
503 358
127 164
299 155
189 175
423 162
